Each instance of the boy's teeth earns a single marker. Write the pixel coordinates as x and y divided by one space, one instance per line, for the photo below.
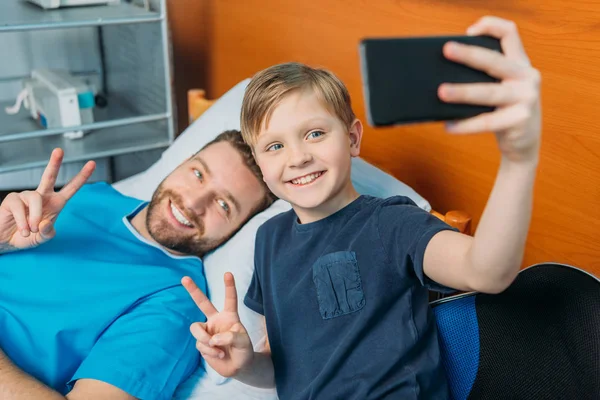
179 216
306 179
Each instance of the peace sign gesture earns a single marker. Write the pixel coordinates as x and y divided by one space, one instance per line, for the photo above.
27 218
222 339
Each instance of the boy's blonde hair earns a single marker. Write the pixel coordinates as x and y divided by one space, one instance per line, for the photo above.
268 87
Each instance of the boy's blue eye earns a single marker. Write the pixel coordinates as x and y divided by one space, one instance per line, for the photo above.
198 174
275 147
315 134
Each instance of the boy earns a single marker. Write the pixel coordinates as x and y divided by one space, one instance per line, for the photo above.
343 279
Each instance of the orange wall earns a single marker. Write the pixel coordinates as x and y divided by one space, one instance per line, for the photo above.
222 42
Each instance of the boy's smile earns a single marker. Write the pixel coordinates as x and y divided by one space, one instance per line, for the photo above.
305 152
307 179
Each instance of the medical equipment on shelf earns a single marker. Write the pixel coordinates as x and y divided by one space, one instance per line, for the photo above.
57 99
68 3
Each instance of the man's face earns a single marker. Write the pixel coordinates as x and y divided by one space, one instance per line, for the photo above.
204 201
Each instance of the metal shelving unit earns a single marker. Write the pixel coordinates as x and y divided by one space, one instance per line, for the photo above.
136 77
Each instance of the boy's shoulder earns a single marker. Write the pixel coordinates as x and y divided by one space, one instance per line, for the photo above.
279 221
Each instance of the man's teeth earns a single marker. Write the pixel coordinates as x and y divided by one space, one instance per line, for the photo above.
306 179
179 216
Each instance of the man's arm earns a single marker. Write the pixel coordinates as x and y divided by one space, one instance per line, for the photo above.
17 385
490 261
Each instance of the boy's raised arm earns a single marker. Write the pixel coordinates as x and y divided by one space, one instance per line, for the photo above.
490 260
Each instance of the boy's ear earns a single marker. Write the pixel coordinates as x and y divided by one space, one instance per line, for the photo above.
356 133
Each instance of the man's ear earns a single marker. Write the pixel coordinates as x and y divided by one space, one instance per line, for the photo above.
356 132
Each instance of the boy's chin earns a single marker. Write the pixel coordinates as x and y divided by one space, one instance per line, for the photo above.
308 202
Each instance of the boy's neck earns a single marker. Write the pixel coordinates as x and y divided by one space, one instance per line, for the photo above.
344 197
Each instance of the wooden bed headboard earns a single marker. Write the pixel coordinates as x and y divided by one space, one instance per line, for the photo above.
216 44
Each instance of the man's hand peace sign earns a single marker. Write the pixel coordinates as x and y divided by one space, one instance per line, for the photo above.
27 218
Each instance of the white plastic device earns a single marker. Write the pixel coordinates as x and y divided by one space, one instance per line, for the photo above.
49 4
57 99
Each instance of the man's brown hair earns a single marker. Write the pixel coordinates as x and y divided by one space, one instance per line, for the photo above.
268 87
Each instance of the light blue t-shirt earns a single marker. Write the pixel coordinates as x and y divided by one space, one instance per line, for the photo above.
99 301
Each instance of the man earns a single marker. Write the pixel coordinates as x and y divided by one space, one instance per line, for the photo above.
91 304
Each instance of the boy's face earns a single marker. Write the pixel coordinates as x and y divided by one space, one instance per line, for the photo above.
305 155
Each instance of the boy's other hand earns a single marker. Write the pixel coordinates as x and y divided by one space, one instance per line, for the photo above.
517 118
222 339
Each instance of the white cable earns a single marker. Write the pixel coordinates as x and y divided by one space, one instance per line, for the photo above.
22 97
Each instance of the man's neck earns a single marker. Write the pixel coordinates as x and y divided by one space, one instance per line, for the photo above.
139 224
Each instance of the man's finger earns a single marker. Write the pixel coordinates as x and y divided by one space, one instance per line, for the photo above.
47 230
33 201
199 298
489 61
51 172
504 30
78 181
16 207
231 301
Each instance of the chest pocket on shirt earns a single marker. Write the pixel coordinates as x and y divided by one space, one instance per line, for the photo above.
339 287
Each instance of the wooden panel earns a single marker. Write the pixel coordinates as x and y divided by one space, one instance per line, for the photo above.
563 41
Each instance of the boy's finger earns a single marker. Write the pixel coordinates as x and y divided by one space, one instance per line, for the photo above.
498 120
504 30
231 301
234 339
199 298
198 330
489 61
488 94
208 351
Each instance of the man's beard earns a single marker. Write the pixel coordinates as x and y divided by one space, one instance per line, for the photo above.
164 234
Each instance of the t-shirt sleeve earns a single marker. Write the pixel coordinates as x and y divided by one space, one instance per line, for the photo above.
405 231
148 351
254 298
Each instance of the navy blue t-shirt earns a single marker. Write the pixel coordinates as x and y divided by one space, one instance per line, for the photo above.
346 303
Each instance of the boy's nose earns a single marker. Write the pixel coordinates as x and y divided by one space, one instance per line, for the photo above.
299 157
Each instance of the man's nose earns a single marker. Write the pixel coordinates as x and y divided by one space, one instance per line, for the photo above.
299 156
198 202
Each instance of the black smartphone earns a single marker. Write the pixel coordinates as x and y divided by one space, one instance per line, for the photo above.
401 77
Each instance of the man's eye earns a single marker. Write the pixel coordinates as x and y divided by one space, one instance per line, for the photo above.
275 147
224 205
198 174
315 134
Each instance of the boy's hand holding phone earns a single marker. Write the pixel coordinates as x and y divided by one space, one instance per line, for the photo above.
481 82
222 339
517 118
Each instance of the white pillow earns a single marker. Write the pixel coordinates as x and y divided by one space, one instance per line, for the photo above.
223 115
237 255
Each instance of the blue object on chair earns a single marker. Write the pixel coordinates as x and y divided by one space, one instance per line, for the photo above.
459 343
539 339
